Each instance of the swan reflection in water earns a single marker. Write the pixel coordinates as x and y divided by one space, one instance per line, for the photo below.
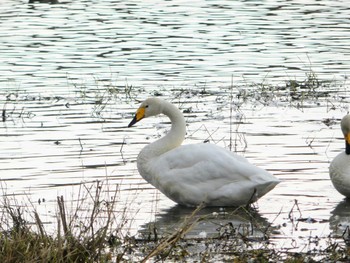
211 222
339 222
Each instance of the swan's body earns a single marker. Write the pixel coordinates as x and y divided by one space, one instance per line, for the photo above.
339 169
197 173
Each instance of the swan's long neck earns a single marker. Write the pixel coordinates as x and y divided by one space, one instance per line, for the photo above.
345 127
171 140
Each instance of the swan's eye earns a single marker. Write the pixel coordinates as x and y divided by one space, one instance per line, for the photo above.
146 106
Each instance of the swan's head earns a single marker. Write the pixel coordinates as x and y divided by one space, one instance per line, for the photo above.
345 127
150 107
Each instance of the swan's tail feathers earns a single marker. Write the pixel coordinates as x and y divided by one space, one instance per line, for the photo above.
266 187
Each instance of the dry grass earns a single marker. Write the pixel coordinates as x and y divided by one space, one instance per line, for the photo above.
93 232
78 237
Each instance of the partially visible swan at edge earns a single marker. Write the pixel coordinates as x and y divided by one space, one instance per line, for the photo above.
196 173
339 169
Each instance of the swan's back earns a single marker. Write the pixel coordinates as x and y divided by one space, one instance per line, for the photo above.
196 173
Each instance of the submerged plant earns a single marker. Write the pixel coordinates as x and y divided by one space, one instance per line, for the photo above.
103 93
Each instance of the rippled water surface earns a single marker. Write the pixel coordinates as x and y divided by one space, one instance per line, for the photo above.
72 74
171 43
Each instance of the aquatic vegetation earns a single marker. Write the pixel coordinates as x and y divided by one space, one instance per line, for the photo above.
102 93
94 229
293 91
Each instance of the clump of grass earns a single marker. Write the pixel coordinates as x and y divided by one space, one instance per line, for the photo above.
17 104
310 87
102 93
78 238
293 91
13 105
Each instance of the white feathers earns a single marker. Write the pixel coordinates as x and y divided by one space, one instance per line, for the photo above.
339 169
192 174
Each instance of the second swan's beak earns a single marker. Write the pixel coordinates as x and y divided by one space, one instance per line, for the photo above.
140 114
347 138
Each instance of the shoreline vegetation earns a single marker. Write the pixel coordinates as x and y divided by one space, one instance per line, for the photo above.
93 231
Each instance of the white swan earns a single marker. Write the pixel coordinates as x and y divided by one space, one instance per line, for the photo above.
197 173
339 169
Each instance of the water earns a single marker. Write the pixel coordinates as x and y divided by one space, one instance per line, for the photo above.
70 74
174 43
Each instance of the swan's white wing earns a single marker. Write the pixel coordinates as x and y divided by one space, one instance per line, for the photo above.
339 171
191 174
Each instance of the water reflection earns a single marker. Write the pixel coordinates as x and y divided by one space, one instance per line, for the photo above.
213 222
339 222
43 1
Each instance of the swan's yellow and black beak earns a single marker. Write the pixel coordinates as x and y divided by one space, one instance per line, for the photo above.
140 114
347 143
